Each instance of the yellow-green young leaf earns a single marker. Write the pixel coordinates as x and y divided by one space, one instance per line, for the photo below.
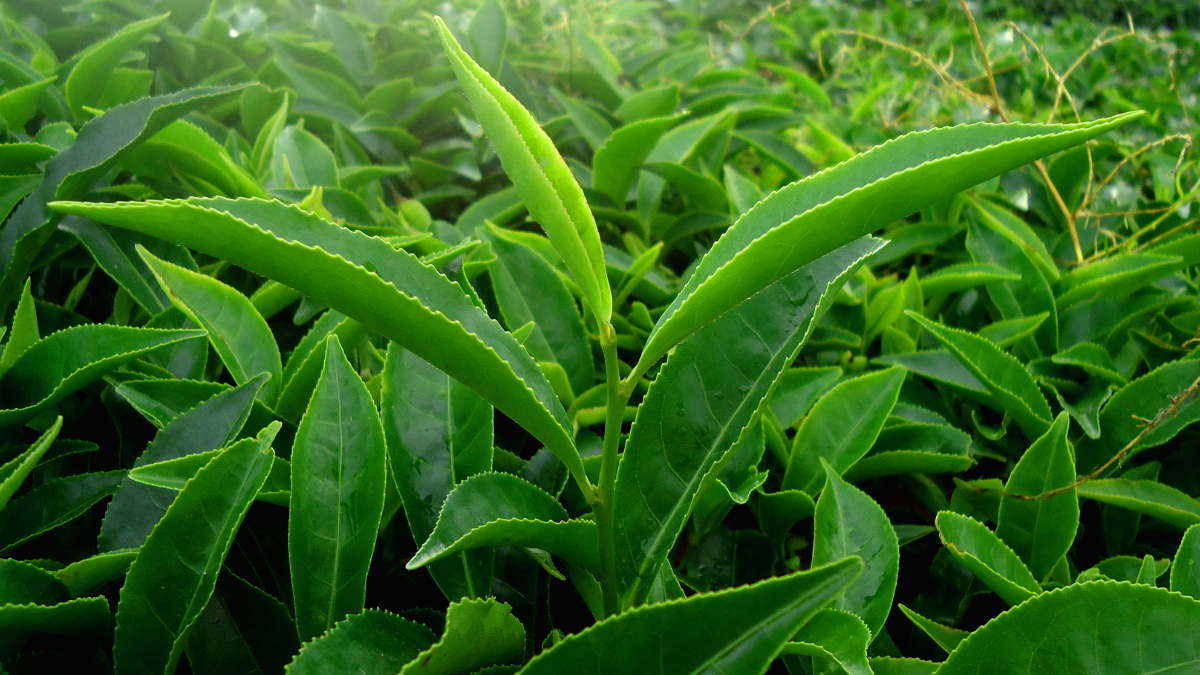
542 178
1041 531
91 73
815 215
479 633
18 105
1110 627
338 473
439 433
184 148
372 643
842 427
740 630
235 329
1010 384
849 523
24 330
982 552
170 581
385 289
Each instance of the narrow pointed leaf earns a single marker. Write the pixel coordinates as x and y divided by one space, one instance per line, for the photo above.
842 427
987 557
542 178
1009 383
387 290
52 504
849 523
14 473
798 224
235 329
175 572
1147 497
337 489
944 636
86 82
70 174
708 392
70 359
498 509
439 433
85 576
25 332
1041 531
616 163
680 638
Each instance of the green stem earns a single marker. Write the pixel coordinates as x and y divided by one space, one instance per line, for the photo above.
603 507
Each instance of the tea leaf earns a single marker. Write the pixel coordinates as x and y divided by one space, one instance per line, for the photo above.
982 552
374 642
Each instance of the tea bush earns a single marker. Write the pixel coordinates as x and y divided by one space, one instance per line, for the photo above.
604 337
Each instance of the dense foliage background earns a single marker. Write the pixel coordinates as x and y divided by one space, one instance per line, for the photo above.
1078 273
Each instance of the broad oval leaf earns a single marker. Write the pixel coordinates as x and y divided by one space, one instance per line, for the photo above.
709 391
499 509
1041 530
857 196
849 523
478 633
542 178
374 642
680 637
1112 627
338 472
175 571
387 290
982 552
841 427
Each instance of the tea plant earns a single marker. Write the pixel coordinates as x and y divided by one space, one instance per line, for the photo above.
535 338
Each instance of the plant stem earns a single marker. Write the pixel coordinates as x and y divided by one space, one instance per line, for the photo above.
608 470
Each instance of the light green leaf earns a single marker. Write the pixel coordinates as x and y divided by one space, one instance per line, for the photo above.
338 473
85 576
841 428
680 638
542 178
1105 626
175 571
798 389
987 557
962 276
488 35
1041 531
849 523
300 160
865 193
616 163
25 332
